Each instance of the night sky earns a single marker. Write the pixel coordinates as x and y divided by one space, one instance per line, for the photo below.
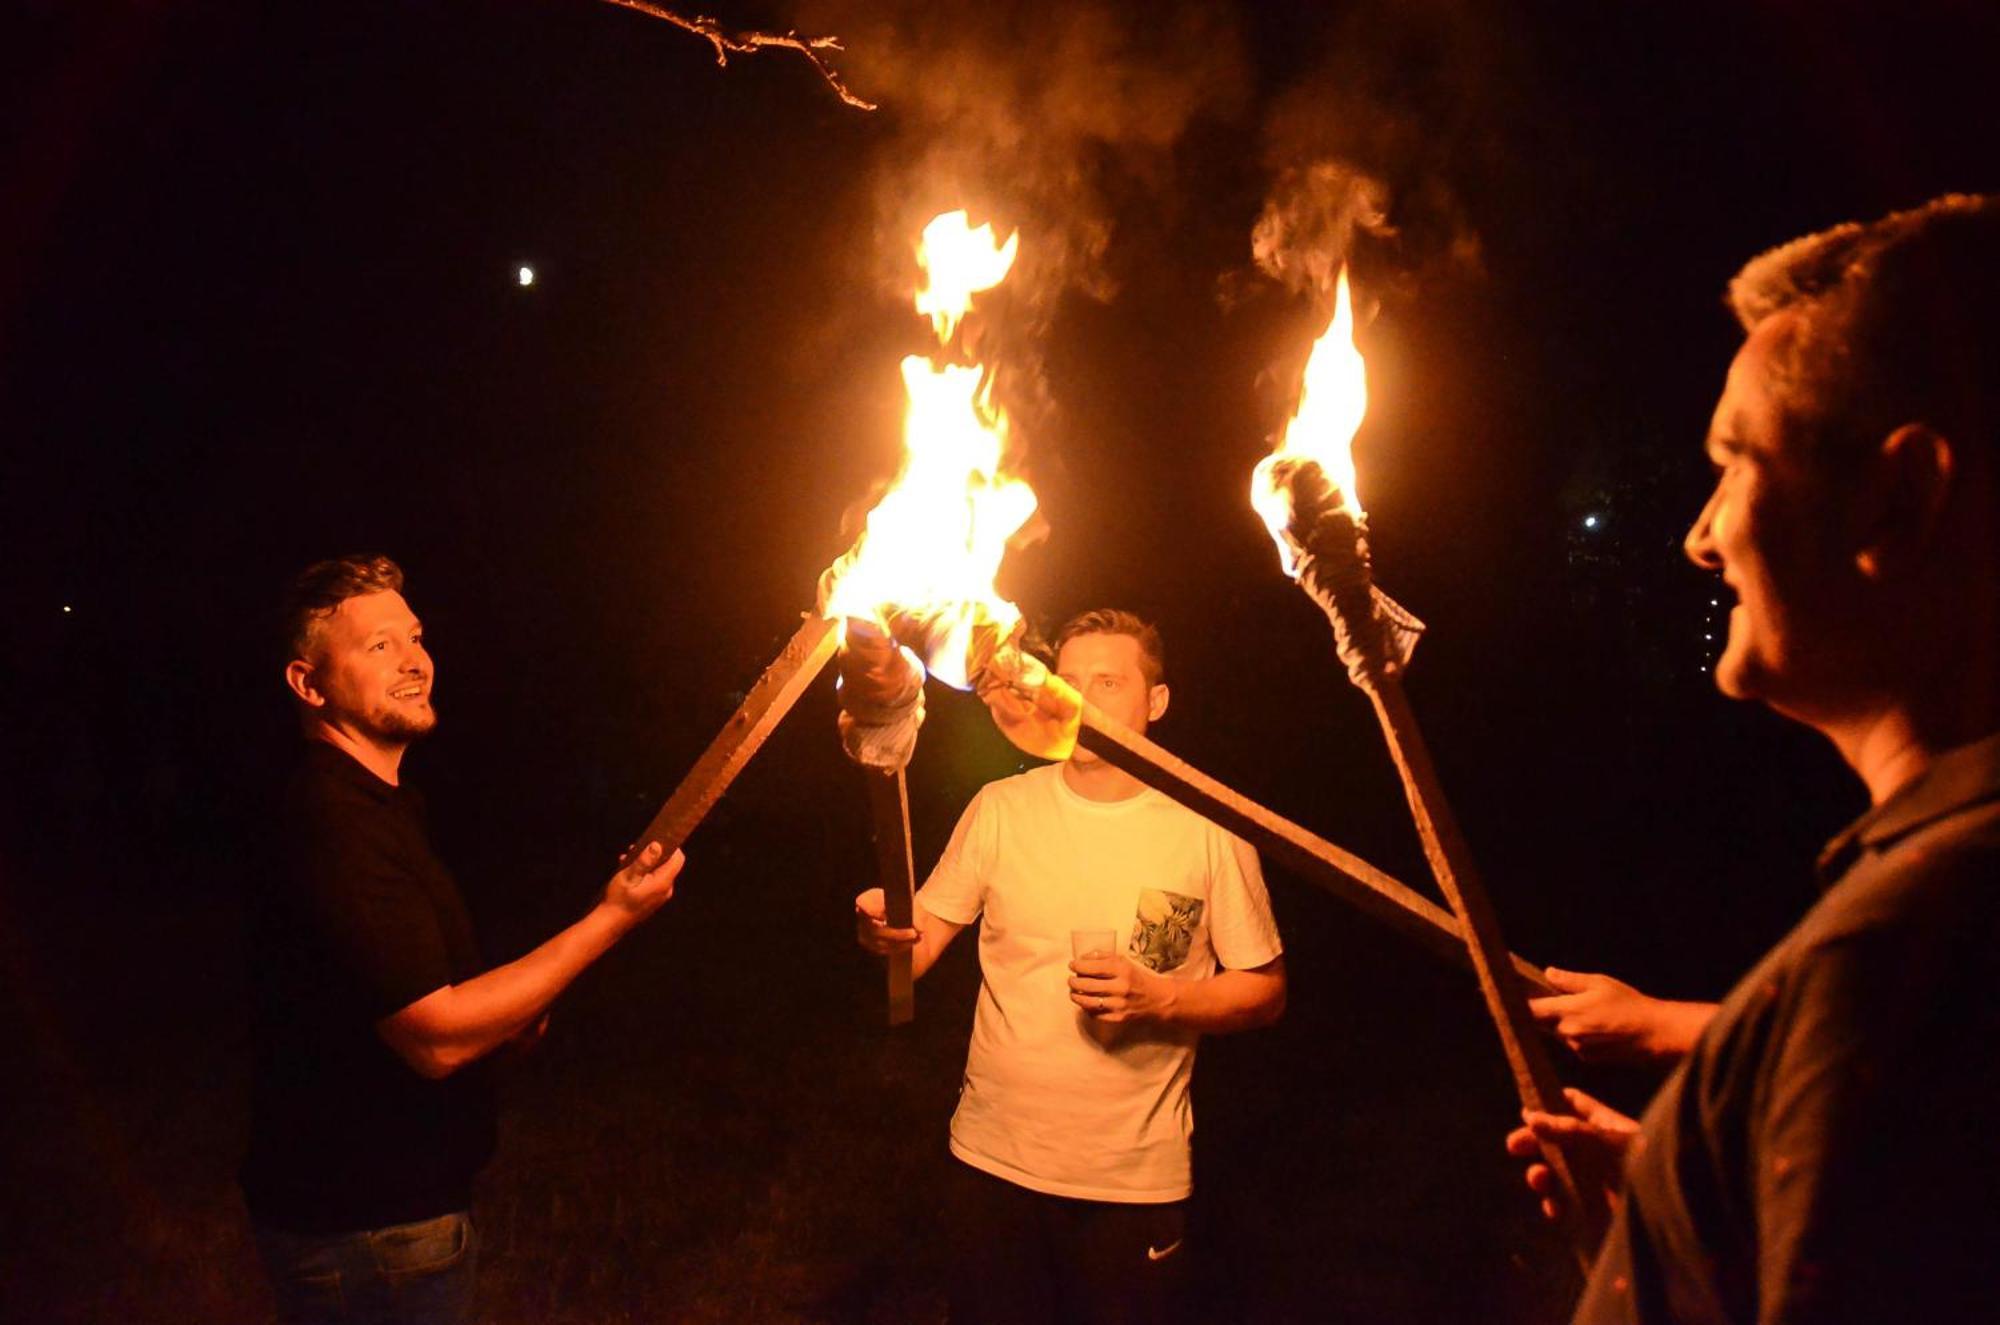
259 305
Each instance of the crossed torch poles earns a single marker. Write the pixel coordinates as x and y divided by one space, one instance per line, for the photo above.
1046 717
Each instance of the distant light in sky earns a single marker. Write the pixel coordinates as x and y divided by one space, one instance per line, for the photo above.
65 609
1590 522
526 276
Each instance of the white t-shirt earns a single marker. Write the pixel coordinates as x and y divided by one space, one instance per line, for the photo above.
1045 1105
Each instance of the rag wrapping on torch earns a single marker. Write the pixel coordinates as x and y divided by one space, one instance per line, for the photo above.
1327 544
1373 634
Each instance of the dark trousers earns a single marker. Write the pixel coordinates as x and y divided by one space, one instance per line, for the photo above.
407 1274
1020 1256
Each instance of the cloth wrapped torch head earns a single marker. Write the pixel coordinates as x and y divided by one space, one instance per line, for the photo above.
882 673
1034 708
1327 540
881 693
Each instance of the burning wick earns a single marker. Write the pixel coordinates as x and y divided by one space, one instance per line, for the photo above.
1333 400
1305 492
915 593
922 572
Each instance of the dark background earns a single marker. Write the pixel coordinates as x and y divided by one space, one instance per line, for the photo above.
258 306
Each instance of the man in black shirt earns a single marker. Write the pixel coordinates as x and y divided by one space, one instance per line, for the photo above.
1829 1149
372 1109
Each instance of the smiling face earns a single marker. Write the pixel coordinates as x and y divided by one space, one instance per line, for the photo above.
371 673
1109 671
1773 528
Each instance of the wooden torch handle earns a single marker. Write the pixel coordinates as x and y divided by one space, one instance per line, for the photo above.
889 811
802 659
1313 858
1535 1078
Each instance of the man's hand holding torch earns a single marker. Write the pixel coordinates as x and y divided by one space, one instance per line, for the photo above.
1595 1140
923 940
641 886
1603 1019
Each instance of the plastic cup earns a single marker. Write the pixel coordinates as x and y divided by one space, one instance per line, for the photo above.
1093 943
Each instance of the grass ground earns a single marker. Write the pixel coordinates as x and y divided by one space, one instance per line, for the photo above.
718 1128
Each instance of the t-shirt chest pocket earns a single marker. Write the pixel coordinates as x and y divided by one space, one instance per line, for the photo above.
1164 928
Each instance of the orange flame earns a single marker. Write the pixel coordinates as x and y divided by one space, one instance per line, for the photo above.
933 543
958 261
1332 403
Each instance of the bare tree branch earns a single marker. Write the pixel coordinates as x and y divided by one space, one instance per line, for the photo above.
729 43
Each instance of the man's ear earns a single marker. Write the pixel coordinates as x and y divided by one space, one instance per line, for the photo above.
1156 702
1908 483
299 678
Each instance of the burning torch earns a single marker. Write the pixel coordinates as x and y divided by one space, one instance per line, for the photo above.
1305 491
911 596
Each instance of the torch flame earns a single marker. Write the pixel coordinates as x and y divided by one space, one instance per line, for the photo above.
1332 403
958 261
926 561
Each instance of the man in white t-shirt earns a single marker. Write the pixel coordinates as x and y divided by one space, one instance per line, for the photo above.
1072 1126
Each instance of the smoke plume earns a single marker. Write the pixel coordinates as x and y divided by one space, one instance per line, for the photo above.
1366 152
1050 117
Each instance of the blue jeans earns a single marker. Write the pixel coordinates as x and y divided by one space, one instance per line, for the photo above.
406 1274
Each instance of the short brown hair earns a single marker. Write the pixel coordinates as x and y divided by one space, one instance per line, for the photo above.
1898 322
322 587
1116 621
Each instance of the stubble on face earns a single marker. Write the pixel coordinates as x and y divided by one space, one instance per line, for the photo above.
377 673
404 723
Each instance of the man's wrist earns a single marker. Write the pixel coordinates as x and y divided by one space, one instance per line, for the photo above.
611 919
1689 1021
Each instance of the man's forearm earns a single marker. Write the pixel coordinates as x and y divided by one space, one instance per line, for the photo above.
934 935
456 1025
1227 1001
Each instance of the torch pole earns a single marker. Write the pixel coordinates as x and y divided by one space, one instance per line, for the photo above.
889 811
805 654
1535 1079
1312 857
881 708
1064 719
1337 574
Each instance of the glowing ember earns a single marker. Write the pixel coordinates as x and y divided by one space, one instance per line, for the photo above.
959 261
1332 403
923 569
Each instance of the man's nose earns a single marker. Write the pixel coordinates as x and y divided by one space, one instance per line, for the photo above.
1700 541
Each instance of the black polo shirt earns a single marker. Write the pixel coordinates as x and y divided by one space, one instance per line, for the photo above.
1830 1150
359 920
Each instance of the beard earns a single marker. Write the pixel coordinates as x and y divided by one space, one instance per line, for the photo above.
399 724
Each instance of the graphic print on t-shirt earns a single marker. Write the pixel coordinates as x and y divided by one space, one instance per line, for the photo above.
1164 928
